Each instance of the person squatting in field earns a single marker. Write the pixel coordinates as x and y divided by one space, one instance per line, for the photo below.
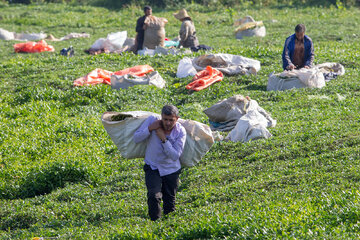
298 50
166 140
187 31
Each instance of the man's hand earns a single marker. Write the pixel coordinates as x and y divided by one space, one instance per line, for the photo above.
291 67
307 67
155 125
161 134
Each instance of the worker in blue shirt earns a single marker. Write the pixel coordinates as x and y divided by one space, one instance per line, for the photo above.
298 50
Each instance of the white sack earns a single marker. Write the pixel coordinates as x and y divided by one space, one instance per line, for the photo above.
256 29
251 126
226 113
330 67
75 35
128 80
113 42
227 63
185 68
199 137
98 44
255 32
310 78
29 36
146 52
6 35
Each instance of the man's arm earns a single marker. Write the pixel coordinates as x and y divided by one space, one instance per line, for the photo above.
143 131
175 150
287 63
310 59
139 25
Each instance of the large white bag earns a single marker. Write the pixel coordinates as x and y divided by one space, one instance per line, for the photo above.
227 63
249 28
251 126
225 114
128 80
6 35
185 68
199 137
302 78
113 42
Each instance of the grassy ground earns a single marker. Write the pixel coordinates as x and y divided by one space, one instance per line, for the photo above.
61 175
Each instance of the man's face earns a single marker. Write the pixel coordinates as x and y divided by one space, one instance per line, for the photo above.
300 35
148 12
168 121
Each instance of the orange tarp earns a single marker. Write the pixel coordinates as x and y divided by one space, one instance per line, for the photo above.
205 78
95 77
139 70
32 47
99 75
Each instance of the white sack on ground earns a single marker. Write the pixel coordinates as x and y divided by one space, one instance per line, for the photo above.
227 63
162 51
302 78
185 68
68 36
248 27
199 137
6 35
225 114
251 126
113 42
330 70
128 80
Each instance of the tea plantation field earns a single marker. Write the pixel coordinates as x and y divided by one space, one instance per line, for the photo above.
61 176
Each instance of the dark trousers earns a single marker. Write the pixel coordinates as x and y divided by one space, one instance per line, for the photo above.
160 188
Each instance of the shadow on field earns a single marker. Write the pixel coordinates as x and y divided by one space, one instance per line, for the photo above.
43 181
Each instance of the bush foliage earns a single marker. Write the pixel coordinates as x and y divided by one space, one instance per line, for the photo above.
210 3
62 177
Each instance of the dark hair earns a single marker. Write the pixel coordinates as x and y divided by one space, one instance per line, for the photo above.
300 28
187 18
147 8
170 110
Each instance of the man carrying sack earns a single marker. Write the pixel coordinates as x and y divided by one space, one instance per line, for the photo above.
140 28
166 141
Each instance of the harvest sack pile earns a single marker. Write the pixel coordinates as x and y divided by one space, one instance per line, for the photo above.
121 127
248 27
242 116
226 63
6 35
305 78
128 80
98 75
